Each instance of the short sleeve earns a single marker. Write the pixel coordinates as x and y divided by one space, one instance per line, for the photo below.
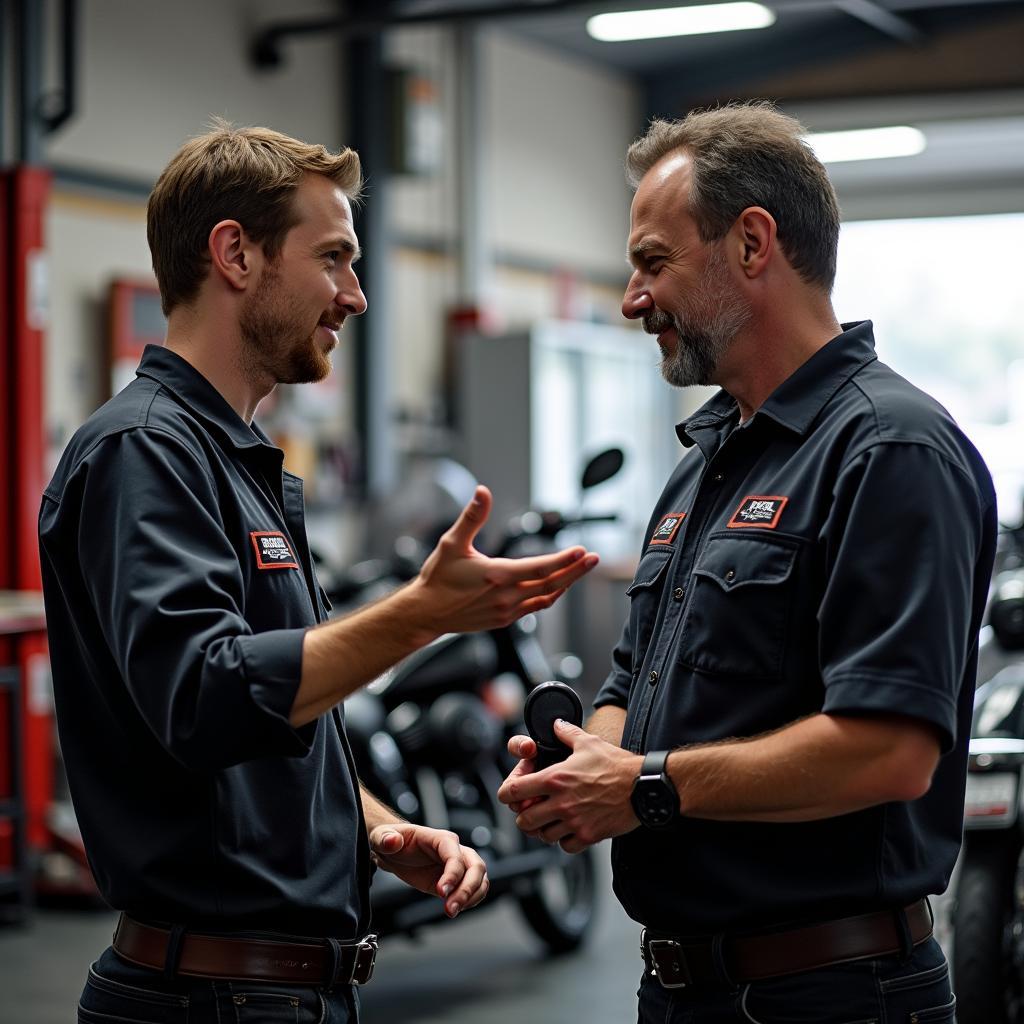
902 544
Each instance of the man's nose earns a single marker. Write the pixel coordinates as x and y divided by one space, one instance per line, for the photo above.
350 297
637 300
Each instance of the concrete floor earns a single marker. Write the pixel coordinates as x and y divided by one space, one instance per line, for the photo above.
484 968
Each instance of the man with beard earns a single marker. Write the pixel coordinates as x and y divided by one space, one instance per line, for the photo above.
780 749
198 682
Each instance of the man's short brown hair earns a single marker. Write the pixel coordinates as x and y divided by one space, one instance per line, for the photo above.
750 154
244 174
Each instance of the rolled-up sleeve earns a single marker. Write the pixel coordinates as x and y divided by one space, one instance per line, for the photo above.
167 589
902 544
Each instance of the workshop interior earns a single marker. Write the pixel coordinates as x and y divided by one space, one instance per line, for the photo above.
492 137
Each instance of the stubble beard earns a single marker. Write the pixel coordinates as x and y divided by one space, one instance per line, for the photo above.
705 331
274 342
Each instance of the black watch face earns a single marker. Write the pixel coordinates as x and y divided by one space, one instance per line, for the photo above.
654 806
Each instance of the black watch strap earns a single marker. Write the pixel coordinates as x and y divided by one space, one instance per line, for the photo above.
655 763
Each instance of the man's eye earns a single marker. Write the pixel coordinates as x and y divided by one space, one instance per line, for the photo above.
332 256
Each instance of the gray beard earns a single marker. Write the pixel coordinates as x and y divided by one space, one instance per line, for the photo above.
705 333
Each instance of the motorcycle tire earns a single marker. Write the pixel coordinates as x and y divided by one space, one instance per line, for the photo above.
561 904
988 934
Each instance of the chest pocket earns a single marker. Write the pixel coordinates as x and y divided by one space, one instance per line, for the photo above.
644 595
740 606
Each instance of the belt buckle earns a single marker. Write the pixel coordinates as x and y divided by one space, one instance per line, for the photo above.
364 960
669 963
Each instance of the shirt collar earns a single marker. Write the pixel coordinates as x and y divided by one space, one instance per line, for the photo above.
796 402
193 390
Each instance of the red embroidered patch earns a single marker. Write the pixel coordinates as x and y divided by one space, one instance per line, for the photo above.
666 530
758 510
272 550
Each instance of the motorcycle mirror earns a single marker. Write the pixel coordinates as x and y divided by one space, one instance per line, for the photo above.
603 466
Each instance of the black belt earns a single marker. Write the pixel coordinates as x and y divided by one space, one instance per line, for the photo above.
681 962
229 958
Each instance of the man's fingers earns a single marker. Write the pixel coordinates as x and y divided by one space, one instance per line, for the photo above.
386 840
536 819
522 784
568 733
471 518
523 570
468 894
449 851
525 748
559 581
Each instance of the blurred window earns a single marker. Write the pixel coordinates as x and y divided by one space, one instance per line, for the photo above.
947 301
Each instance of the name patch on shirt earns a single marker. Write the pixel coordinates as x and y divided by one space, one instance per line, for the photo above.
758 510
273 550
666 530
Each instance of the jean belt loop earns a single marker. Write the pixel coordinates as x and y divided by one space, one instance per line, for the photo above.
718 956
175 940
906 939
333 963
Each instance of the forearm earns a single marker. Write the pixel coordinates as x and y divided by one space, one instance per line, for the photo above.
343 655
375 812
818 767
607 723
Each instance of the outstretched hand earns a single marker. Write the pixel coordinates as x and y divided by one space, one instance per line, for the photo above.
468 591
432 861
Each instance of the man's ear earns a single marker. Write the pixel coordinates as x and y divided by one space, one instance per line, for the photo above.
232 254
756 234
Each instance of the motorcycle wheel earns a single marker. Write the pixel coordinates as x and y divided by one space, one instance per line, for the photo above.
560 907
988 934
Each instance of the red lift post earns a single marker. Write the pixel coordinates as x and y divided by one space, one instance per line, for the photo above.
28 729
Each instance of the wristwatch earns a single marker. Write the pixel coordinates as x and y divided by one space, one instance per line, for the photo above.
654 797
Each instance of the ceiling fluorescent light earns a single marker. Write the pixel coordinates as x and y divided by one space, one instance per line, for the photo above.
678 21
867 144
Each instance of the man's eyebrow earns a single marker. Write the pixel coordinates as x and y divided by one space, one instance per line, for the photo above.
638 253
344 245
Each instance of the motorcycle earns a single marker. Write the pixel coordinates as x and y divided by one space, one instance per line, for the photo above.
988 908
430 739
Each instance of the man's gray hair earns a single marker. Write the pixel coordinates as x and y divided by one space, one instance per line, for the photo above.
750 154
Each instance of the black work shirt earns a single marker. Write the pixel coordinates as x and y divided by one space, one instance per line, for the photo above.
178 589
832 553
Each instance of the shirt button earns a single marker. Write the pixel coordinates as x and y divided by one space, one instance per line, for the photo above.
652 678
718 478
730 575
678 593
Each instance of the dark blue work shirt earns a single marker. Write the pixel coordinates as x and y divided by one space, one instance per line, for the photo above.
178 589
832 553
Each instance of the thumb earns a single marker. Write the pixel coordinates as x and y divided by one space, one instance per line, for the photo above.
568 733
385 840
472 517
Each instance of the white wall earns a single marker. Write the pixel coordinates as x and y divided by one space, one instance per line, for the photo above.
555 202
153 72
557 132
90 242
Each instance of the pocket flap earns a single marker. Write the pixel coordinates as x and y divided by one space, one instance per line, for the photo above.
651 566
742 561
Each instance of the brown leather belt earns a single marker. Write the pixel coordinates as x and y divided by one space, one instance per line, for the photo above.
679 962
229 958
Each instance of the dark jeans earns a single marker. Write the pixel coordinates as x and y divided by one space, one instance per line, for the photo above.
118 992
883 991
